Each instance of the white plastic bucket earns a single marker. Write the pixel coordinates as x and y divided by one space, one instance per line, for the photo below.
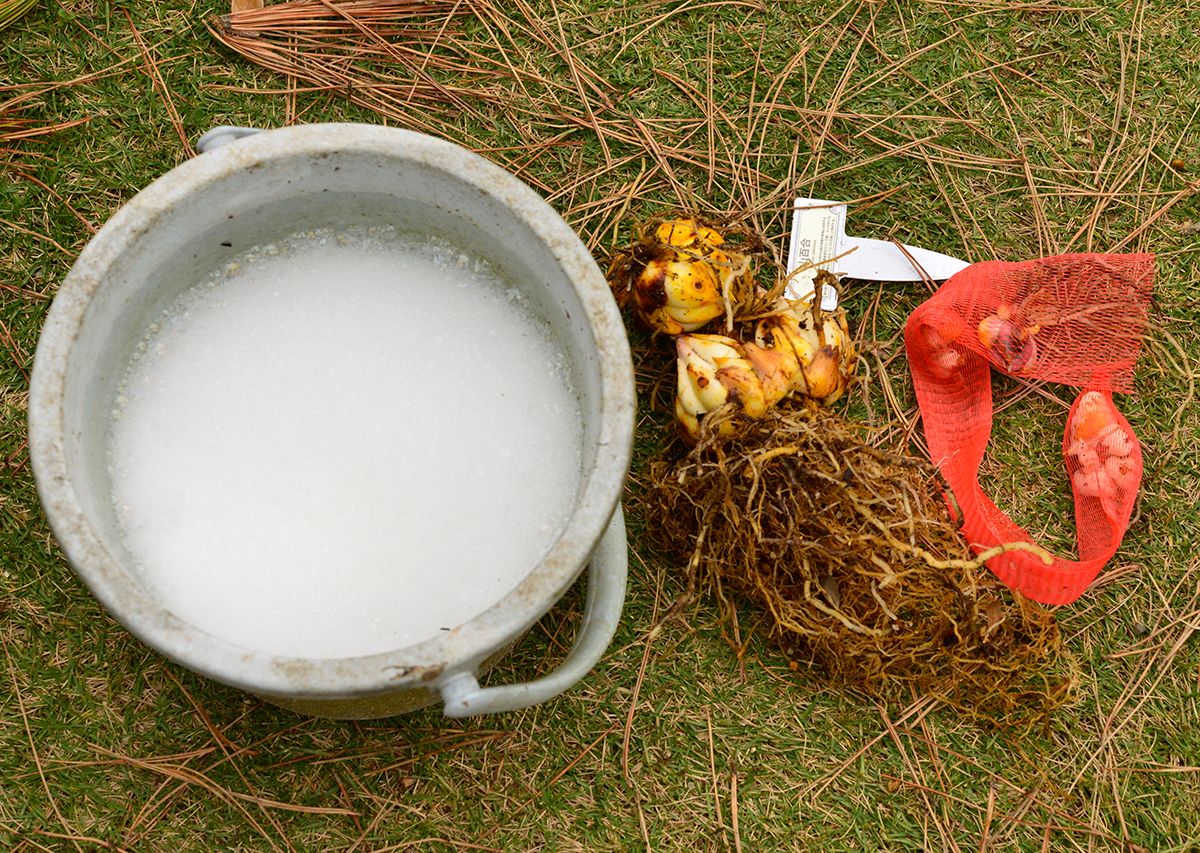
263 185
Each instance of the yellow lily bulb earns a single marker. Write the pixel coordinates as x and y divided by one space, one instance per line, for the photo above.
823 376
822 348
679 275
713 371
687 233
676 296
820 343
776 370
782 333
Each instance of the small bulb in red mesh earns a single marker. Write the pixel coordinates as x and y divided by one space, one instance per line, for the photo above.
1093 414
1100 451
939 332
1010 343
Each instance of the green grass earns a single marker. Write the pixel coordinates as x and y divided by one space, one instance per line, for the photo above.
1003 130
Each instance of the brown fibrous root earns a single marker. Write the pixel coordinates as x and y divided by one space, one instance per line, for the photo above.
851 553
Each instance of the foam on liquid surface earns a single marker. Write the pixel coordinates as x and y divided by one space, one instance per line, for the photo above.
343 444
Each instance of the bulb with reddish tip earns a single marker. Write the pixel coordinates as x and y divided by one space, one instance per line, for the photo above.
817 342
1093 414
1011 345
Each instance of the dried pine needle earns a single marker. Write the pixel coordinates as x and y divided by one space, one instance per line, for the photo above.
11 10
378 53
16 125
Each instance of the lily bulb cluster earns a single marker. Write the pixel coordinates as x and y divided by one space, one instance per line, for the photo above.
679 275
715 371
813 348
797 350
1100 452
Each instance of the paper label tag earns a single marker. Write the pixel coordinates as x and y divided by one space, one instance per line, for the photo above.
816 237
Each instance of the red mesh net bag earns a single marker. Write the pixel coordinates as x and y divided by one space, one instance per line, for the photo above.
1072 319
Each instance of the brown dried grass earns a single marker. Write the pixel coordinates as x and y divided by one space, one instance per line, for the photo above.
17 126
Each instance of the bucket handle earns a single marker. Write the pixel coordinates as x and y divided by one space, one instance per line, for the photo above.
223 135
607 572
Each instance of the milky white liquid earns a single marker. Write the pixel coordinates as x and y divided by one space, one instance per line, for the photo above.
343 444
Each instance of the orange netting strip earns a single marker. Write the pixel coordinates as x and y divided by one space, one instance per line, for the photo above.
1073 319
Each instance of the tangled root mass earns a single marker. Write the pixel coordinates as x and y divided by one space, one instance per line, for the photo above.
852 554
